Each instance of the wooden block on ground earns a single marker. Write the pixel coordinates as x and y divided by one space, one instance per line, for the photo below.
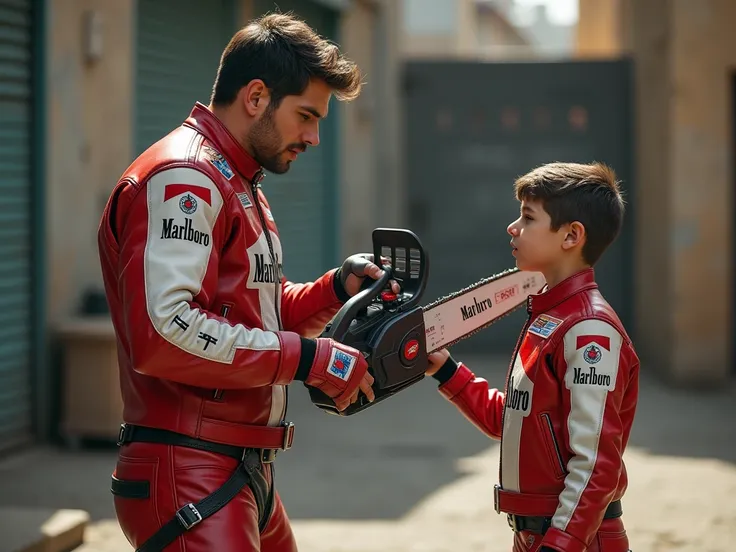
41 529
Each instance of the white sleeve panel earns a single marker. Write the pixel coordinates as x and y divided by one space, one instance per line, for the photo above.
183 207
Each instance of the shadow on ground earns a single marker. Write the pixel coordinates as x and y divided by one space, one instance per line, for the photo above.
685 423
376 465
383 462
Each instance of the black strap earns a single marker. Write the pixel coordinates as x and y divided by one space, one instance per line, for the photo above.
190 514
614 510
131 433
130 489
539 524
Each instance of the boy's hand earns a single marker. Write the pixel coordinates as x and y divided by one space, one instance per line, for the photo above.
436 360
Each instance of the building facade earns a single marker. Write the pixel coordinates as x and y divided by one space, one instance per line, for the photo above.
684 55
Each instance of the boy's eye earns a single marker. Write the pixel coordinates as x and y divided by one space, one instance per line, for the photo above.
527 217
305 116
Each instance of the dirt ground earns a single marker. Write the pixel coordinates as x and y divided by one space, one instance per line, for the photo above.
414 476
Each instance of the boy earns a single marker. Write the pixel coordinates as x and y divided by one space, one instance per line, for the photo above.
571 391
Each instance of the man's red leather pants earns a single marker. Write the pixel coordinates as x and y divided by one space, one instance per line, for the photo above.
178 476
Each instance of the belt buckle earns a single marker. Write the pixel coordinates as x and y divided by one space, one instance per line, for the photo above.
268 455
288 435
188 516
121 435
513 523
496 499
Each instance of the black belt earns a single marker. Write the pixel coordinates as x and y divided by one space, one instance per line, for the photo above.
131 433
192 514
539 524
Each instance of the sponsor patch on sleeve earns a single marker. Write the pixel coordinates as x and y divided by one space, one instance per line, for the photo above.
592 351
341 364
593 344
544 325
219 162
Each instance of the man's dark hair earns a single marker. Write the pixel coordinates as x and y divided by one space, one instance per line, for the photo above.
285 53
587 193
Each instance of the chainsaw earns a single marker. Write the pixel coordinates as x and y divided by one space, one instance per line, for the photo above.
396 335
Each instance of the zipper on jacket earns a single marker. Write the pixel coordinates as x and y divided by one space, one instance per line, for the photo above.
508 380
277 273
560 463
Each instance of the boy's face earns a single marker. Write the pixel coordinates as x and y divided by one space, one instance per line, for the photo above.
535 245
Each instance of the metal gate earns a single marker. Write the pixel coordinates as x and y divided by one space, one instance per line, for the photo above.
472 128
16 158
176 61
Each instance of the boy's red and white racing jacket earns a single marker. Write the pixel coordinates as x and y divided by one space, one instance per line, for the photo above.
566 413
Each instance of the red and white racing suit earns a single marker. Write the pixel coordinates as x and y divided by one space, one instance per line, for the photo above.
209 333
563 421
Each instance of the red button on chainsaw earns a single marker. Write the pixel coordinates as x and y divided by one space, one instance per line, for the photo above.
411 349
388 296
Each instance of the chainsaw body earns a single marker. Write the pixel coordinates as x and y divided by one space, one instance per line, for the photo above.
387 328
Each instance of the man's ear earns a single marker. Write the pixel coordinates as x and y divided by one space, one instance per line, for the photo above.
255 97
575 235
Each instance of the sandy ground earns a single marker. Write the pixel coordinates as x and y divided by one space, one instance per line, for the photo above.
414 476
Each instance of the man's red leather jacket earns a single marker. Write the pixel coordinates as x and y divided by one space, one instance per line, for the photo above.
566 413
209 331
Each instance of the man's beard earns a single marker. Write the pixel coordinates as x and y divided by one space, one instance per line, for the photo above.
265 141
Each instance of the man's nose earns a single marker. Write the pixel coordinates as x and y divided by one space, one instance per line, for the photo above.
311 138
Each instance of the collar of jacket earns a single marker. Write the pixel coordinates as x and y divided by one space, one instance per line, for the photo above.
550 298
205 122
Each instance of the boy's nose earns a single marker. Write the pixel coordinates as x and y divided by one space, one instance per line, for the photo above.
511 229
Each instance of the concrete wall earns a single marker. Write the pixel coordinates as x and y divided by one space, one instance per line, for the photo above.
685 55
703 59
88 142
601 33
371 186
653 259
358 173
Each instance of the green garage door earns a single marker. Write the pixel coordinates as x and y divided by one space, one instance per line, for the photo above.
16 122
304 200
176 61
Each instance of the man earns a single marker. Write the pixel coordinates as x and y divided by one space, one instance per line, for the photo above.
209 331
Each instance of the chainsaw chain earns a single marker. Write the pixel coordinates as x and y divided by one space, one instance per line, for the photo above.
465 290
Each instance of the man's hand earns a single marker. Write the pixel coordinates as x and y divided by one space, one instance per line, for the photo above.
356 268
340 372
366 386
436 361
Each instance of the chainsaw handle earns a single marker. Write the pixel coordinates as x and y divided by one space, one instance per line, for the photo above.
408 259
349 311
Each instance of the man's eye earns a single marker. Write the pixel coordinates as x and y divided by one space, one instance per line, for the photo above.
305 116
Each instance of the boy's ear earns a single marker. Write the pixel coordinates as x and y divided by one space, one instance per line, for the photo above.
575 235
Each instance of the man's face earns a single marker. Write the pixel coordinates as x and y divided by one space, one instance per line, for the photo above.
535 245
281 134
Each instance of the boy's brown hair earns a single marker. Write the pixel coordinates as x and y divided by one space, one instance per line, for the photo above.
285 53
587 193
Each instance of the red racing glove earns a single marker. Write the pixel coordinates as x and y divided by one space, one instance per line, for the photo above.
335 369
